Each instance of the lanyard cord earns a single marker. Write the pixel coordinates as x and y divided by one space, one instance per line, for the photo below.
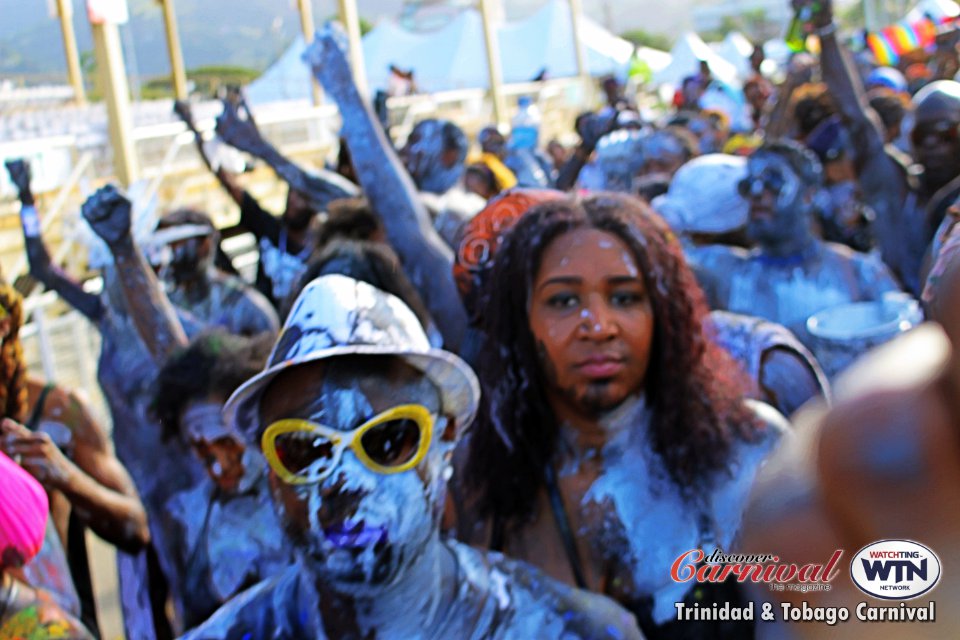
563 525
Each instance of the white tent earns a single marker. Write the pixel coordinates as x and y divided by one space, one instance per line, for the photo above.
657 60
545 40
736 50
686 56
453 57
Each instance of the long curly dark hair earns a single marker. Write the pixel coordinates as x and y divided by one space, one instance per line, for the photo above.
693 387
13 386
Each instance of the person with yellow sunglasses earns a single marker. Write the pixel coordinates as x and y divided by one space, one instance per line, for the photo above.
358 417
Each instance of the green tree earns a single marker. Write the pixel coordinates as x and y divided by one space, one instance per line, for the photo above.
641 38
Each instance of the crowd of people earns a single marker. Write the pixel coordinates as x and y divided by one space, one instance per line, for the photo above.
495 388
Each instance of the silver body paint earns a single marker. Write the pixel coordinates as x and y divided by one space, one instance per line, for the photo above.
637 519
748 338
425 164
225 542
483 596
789 292
230 303
405 583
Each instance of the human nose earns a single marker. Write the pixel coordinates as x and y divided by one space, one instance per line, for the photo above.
597 321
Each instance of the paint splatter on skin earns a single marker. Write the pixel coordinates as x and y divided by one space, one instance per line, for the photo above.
637 520
414 585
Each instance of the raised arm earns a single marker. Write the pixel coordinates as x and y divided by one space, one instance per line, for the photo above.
38 259
780 119
227 179
321 187
108 213
427 260
593 128
847 91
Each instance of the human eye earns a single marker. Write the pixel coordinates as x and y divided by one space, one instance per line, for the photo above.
564 300
626 298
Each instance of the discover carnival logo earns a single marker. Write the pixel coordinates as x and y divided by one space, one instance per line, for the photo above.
895 569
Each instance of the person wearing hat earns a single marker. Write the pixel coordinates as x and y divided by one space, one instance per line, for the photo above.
357 417
187 239
908 207
704 208
791 274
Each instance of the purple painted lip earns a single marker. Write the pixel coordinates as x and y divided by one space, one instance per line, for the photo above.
359 535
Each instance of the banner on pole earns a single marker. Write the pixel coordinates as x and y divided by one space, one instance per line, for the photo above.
103 11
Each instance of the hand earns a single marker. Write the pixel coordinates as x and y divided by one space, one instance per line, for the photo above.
184 112
822 11
36 453
327 56
239 132
595 127
108 213
19 171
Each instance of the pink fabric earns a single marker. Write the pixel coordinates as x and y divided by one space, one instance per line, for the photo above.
23 514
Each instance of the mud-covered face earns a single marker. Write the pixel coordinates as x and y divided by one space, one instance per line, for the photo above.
776 197
218 448
936 145
356 525
188 258
423 156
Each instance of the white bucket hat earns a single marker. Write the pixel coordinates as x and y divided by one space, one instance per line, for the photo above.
703 196
338 316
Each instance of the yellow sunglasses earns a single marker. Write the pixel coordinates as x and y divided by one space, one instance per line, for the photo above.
391 442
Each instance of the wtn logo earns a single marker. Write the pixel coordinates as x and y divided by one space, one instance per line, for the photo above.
904 570
895 569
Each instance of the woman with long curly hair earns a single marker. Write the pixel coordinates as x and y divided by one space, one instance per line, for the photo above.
51 434
614 436
13 384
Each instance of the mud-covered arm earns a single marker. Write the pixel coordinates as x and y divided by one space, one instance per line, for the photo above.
427 260
876 170
321 186
592 130
780 118
38 258
227 180
108 213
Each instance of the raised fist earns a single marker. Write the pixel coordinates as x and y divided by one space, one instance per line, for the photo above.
238 132
327 57
19 171
108 212
184 112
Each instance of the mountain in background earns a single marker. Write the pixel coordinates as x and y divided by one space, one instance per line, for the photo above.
244 33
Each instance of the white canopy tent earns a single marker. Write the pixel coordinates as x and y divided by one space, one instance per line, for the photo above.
685 61
736 50
452 57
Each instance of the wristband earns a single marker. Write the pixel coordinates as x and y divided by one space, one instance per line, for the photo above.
826 30
30 220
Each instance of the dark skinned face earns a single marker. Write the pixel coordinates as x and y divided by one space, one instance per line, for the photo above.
357 526
593 322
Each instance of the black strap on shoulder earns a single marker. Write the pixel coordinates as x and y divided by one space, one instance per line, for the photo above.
34 421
